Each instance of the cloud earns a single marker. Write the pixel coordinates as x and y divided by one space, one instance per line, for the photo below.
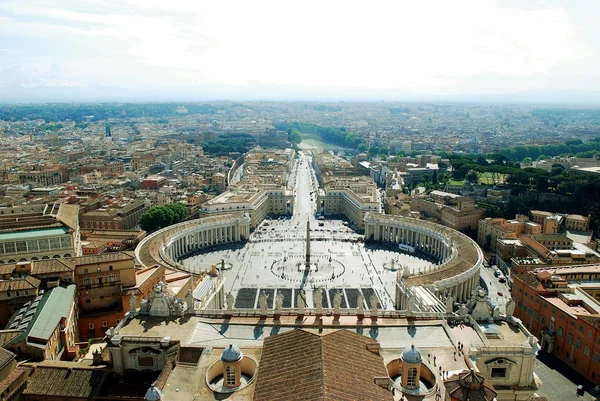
432 46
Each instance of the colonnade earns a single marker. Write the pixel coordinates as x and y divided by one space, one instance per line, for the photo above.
202 237
425 240
456 275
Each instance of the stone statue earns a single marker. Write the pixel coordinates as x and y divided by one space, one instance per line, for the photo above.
318 298
373 300
262 302
178 307
189 300
132 303
360 301
300 304
449 304
144 306
510 308
410 304
229 301
278 302
337 302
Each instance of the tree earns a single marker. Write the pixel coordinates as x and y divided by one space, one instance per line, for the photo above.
472 176
162 216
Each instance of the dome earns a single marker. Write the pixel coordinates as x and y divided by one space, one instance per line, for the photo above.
231 354
411 355
153 394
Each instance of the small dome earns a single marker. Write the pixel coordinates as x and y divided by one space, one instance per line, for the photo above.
412 355
231 354
153 394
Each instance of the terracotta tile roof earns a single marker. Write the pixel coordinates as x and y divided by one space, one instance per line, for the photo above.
303 366
528 279
7 335
469 385
14 376
18 284
62 381
5 357
52 266
594 320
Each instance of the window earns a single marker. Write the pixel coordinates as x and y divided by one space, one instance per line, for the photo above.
560 331
590 334
570 339
411 379
581 328
597 357
230 372
91 326
146 361
578 344
104 323
8 294
587 350
118 321
498 372
572 323
110 268
85 271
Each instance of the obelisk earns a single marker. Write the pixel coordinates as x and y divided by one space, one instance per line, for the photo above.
307 245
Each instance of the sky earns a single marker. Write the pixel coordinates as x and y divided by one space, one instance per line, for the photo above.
289 48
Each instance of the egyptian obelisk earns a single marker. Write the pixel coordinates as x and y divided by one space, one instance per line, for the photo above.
307 245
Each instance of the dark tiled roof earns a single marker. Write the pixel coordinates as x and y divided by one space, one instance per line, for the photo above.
528 279
7 335
302 366
594 320
62 381
5 357
52 266
12 378
469 385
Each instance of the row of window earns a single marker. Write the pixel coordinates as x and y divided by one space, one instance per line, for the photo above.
31 246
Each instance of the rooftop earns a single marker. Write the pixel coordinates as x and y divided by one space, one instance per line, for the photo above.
32 234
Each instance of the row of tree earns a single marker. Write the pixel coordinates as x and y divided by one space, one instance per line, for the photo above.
158 217
227 143
574 147
99 111
334 135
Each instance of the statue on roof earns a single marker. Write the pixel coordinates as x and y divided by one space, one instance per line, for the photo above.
318 300
278 302
337 302
262 302
360 303
229 300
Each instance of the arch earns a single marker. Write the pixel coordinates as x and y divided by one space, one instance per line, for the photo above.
22 260
12 261
34 258
45 257
56 257
67 255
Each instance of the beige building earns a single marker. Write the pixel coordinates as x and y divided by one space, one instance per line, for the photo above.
118 216
349 196
142 161
577 222
36 232
454 211
51 334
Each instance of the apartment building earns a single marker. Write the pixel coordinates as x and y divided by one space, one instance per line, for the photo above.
563 314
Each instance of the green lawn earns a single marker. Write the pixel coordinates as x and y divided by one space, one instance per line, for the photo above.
486 179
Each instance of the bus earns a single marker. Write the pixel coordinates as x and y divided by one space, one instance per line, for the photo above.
406 248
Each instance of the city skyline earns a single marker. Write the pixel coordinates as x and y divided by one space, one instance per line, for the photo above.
151 50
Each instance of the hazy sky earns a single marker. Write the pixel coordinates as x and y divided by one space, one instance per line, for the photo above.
419 46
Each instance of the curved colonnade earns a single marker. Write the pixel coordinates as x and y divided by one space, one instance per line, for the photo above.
456 274
166 246
460 257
